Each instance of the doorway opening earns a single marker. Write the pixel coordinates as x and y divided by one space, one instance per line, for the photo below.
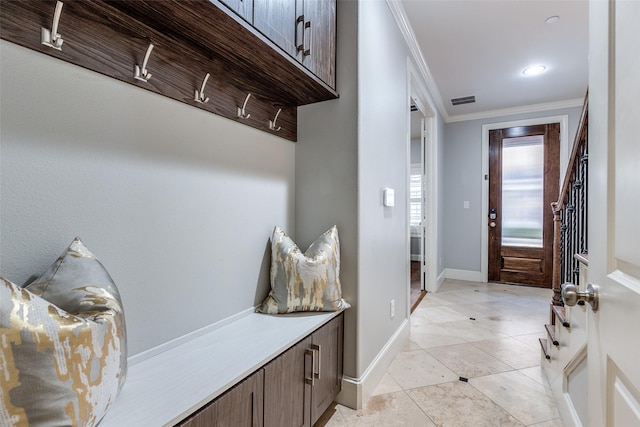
524 179
417 206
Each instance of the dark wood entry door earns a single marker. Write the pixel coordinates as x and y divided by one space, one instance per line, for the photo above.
524 175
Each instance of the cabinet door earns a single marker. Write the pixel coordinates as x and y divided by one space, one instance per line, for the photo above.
286 393
239 407
243 8
327 342
276 19
319 53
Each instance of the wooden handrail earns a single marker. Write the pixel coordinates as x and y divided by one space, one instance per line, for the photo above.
578 142
569 219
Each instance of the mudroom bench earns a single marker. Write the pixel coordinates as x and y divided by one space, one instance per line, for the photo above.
257 370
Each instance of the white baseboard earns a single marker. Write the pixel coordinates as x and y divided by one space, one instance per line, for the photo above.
472 276
357 391
441 278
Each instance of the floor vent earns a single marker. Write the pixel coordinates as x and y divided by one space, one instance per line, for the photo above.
463 100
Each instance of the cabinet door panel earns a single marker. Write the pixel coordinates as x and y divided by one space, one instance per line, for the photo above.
276 19
320 39
242 406
286 394
243 8
327 387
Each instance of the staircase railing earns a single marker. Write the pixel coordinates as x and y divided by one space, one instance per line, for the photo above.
570 212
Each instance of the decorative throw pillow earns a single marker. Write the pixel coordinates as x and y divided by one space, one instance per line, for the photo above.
63 346
308 281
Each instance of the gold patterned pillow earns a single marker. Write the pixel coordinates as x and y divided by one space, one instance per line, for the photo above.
308 281
63 347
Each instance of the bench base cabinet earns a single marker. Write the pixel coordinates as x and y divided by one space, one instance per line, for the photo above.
239 407
294 389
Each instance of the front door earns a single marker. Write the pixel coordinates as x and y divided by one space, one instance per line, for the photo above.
523 182
614 210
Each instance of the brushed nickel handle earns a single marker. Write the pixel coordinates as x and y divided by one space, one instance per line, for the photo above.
311 381
307 25
572 296
316 347
300 40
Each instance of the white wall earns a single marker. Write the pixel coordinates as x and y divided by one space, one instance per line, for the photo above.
178 204
462 169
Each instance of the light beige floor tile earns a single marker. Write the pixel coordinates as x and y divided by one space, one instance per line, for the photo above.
432 335
471 330
387 385
413 369
436 314
513 326
509 350
527 400
468 361
410 345
392 409
556 422
442 298
536 374
531 339
454 285
457 404
476 310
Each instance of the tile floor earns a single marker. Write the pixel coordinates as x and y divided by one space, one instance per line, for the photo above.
487 333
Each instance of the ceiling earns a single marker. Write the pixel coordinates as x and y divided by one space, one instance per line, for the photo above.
481 47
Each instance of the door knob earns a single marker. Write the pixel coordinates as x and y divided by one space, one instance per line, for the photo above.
572 296
492 224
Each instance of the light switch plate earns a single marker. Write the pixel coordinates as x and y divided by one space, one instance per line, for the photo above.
389 197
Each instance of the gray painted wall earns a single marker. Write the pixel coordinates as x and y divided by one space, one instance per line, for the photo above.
178 204
462 180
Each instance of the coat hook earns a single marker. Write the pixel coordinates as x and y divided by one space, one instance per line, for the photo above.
142 73
241 111
199 97
51 37
272 124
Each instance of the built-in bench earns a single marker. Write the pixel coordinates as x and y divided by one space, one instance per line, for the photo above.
163 388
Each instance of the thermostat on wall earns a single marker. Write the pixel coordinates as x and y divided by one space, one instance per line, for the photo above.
389 197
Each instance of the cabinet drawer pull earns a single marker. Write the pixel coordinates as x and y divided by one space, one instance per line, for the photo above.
316 347
300 35
311 381
307 25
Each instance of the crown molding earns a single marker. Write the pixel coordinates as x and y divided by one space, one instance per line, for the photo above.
398 12
533 108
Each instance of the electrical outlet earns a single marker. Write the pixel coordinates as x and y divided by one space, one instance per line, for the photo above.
392 308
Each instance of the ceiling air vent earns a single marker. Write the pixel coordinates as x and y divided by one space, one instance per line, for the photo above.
463 100
414 107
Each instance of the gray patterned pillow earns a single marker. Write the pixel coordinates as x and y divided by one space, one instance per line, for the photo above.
63 350
308 281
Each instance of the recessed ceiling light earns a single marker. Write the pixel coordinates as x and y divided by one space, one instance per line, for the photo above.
552 19
534 70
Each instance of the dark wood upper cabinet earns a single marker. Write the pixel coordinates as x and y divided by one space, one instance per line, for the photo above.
276 19
304 29
243 8
319 39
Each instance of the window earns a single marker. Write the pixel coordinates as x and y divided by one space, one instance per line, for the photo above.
415 198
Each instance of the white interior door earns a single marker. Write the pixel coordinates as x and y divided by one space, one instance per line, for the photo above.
614 207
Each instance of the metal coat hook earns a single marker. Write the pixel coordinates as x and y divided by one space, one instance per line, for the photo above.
199 97
272 124
241 111
51 37
142 73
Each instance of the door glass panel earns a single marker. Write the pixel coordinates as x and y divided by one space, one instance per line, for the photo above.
522 191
